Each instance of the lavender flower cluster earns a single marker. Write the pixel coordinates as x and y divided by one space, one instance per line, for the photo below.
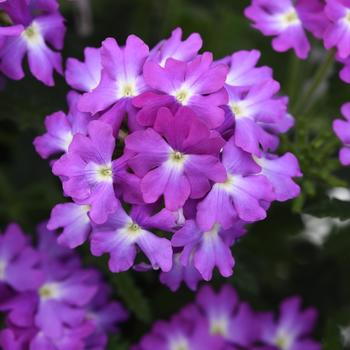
168 152
220 321
34 28
289 20
48 299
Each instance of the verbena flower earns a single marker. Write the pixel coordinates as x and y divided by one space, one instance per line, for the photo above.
60 129
122 234
43 29
342 129
224 322
171 134
287 21
177 158
337 32
57 304
292 328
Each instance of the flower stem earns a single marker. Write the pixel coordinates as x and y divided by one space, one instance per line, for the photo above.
321 74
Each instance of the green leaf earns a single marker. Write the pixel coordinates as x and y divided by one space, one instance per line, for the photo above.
132 296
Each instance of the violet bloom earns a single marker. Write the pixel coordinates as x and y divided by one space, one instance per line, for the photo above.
243 72
292 329
241 196
104 314
178 334
286 20
175 48
74 220
84 76
207 248
43 25
61 128
122 234
338 31
179 272
227 316
179 166
18 261
121 80
342 130
87 170
280 172
197 84
250 112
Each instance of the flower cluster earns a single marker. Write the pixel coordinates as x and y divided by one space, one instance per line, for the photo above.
289 20
48 299
167 152
33 28
220 321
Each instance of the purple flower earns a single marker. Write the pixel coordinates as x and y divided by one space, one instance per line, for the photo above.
179 166
342 130
175 48
105 315
280 172
227 316
292 329
43 25
337 32
251 112
179 272
243 72
87 170
74 220
122 234
241 196
207 248
121 80
18 260
84 76
178 334
286 20
197 84
61 128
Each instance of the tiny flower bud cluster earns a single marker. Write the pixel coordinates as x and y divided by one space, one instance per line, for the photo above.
48 300
33 28
168 153
223 322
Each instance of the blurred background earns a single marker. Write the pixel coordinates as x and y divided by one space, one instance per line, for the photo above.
302 248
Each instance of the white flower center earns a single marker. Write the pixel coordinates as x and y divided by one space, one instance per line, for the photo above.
183 95
179 344
237 109
283 340
67 140
227 185
32 35
177 160
105 173
127 89
213 232
290 18
48 291
219 326
347 17
2 270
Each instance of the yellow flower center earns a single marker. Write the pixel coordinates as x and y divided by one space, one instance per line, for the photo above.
48 291
32 34
133 228
237 109
291 17
182 95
